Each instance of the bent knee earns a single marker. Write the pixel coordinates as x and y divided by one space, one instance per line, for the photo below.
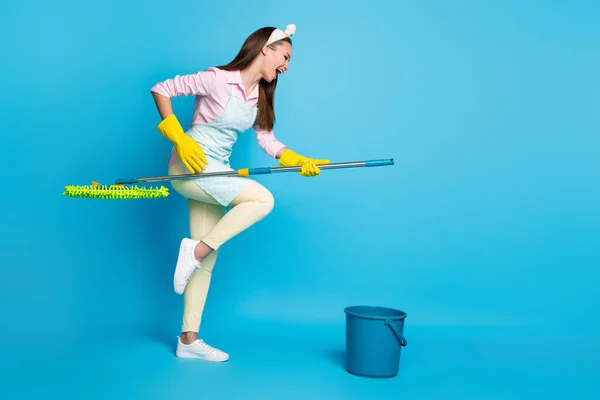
258 194
265 198
268 201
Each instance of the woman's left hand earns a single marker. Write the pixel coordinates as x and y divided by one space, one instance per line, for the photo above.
309 165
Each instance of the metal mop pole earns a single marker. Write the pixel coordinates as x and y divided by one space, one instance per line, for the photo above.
257 171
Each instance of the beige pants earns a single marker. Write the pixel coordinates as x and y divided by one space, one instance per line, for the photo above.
210 224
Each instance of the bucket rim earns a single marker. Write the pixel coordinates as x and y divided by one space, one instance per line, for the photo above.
351 310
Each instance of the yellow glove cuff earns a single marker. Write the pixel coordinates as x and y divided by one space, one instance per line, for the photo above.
171 128
290 159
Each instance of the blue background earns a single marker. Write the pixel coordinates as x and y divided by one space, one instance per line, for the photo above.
485 231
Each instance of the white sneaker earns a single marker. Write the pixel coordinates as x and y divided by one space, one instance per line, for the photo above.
186 265
199 349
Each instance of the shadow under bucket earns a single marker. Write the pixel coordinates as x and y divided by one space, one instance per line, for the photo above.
374 340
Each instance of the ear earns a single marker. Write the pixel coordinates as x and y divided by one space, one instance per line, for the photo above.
265 50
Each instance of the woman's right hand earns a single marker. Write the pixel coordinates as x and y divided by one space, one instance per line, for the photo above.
189 151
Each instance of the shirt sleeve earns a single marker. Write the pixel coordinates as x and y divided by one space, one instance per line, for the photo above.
200 83
267 141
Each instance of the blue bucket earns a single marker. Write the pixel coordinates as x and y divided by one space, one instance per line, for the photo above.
374 339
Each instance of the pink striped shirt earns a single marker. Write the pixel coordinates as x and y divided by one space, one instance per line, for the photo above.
212 91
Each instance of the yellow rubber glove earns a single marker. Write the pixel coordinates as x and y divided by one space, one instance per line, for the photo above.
309 165
189 151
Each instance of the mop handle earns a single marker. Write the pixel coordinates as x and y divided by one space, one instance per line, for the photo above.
257 171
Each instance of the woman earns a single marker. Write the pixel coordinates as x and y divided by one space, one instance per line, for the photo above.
230 99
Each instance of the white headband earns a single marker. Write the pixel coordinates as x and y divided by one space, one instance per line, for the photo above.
278 34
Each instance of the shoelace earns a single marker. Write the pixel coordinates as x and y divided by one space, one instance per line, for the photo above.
205 345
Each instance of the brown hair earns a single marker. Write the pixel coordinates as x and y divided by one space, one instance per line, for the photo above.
265 117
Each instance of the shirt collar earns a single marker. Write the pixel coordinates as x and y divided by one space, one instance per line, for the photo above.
236 78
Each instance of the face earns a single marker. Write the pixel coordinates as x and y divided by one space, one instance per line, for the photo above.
276 60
